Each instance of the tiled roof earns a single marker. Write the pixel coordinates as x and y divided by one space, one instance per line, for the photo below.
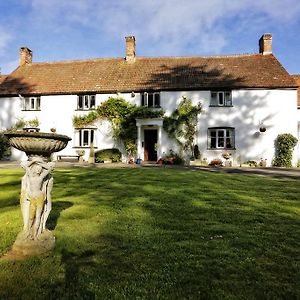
297 79
2 77
145 74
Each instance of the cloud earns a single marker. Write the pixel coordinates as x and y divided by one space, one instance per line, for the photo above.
170 25
5 38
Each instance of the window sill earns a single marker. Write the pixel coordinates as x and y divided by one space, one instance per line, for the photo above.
31 110
221 149
220 105
88 109
83 147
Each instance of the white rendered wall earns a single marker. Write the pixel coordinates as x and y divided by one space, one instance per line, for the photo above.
275 108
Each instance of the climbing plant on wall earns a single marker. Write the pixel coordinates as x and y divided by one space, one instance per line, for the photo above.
122 116
181 125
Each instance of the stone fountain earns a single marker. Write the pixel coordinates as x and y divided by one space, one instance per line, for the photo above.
36 187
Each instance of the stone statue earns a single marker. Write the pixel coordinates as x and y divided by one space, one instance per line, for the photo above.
35 197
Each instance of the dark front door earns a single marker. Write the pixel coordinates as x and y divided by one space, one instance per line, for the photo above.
150 139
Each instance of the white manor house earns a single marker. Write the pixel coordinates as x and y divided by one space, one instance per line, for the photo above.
247 100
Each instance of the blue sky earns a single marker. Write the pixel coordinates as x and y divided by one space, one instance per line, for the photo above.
58 30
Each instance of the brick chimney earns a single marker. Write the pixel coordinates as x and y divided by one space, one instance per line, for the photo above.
265 44
25 56
130 48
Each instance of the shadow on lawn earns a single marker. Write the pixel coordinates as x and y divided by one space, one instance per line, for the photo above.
57 208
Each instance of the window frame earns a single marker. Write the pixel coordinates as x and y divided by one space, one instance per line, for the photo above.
154 96
90 137
31 103
222 99
224 136
88 102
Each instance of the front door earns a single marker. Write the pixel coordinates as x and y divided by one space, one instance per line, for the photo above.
150 142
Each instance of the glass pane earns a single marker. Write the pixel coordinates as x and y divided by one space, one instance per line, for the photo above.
93 102
157 100
228 101
92 136
213 133
150 100
228 143
80 102
220 142
38 103
27 106
142 99
85 137
221 98
213 98
86 101
213 143
32 103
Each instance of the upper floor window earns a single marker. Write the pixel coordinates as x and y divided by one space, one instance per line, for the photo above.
221 138
31 103
150 99
222 98
86 102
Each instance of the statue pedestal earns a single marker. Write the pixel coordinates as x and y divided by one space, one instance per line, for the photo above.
24 247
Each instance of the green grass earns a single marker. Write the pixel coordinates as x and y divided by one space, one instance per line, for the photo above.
158 234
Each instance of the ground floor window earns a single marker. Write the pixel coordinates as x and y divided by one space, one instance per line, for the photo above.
86 137
221 138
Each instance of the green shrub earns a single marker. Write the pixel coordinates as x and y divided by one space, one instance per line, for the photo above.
284 145
108 154
5 149
251 163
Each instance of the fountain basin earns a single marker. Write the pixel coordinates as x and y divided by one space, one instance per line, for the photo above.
37 143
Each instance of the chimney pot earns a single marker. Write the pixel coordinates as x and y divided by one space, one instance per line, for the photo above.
130 48
265 44
25 56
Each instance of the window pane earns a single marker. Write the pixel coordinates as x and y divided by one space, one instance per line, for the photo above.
143 99
157 99
150 100
92 136
80 102
32 103
86 101
213 100
221 98
85 137
213 143
93 101
228 100
38 103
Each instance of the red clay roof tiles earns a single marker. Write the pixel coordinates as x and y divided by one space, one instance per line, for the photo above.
145 74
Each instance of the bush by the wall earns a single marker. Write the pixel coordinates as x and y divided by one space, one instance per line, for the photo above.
5 149
284 145
112 154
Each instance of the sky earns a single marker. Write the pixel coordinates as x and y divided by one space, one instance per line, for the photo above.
57 30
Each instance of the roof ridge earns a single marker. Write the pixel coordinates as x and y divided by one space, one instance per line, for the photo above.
141 58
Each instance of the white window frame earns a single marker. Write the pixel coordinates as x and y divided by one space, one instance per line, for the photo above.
224 138
88 102
31 103
221 98
86 136
145 99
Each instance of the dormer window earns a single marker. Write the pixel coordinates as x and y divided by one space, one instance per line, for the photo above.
31 103
221 98
86 102
150 99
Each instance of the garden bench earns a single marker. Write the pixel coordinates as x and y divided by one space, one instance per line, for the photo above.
67 157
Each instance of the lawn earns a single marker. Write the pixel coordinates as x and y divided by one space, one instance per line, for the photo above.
155 233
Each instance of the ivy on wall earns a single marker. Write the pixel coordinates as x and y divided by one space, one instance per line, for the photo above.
182 124
122 116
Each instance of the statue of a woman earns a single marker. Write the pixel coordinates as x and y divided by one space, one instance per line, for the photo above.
35 197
